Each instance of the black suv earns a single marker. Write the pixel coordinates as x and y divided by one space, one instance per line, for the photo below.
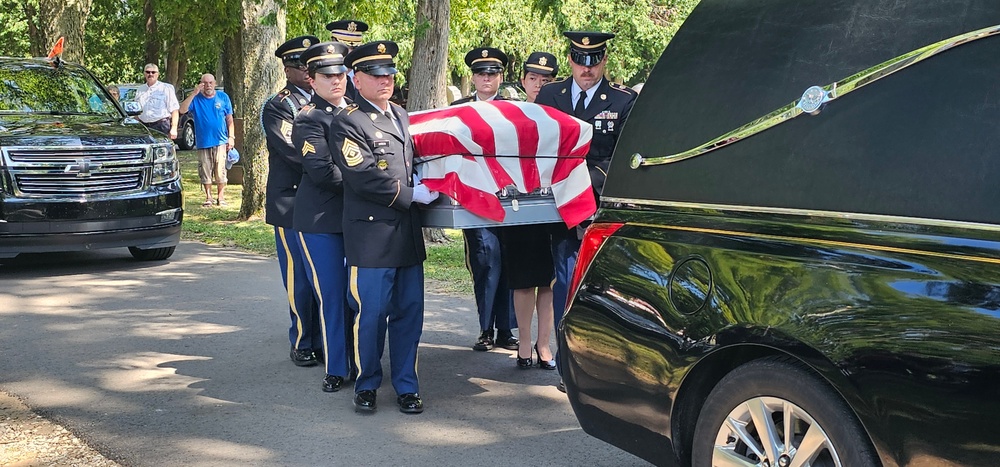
76 171
796 260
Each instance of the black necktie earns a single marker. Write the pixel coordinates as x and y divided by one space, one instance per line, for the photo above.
580 104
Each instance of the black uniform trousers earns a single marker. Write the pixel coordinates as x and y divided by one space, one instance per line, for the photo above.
493 297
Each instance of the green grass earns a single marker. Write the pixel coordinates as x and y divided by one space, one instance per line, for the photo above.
444 269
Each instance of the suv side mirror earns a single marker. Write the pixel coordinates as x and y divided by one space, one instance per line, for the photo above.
132 108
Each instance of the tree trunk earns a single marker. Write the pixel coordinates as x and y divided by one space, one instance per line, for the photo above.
175 57
36 43
66 18
152 54
428 77
251 75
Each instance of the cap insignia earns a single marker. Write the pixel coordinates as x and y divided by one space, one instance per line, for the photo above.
542 61
486 53
330 49
585 41
352 26
381 48
604 97
306 42
382 164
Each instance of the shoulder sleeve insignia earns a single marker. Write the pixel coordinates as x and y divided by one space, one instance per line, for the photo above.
352 153
307 148
286 131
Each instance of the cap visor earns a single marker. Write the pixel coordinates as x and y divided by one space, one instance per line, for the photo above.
544 72
331 69
381 70
586 59
487 69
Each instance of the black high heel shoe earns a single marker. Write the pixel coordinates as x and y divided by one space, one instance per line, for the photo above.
524 363
543 364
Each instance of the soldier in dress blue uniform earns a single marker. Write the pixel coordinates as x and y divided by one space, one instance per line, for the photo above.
382 230
319 206
349 32
482 245
586 95
284 173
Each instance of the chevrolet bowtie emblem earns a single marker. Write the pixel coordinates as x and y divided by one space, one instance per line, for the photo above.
82 167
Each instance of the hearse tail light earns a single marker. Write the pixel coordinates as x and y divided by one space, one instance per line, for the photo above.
593 239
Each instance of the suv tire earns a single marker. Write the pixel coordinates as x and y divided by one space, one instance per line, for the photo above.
152 254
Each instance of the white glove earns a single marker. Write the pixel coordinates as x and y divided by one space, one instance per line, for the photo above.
424 196
416 179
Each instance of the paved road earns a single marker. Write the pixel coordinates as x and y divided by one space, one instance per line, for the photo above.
185 363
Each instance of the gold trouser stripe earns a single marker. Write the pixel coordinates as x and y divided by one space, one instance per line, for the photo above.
891 249
290 284
319 293
357 319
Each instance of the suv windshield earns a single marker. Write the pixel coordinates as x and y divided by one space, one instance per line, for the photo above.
31 88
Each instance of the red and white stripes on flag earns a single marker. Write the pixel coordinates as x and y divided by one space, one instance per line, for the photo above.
490 145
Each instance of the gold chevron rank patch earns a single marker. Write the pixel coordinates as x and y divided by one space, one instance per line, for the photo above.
286 131
307 147
352 153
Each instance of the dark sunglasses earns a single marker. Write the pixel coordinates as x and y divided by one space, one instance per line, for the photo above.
150 72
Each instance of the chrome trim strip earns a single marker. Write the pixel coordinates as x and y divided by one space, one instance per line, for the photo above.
805 213
814 97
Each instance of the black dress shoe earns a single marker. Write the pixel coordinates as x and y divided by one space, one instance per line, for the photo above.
318 355
485 341
364 401
544 364
410 403
303 357
332 383
524 363
506 340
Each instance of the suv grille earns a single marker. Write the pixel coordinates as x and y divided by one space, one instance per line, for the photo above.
76 172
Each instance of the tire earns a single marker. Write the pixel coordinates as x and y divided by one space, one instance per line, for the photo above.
769 390
152 254
186 140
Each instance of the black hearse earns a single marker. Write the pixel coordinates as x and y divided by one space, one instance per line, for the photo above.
76 172
796 260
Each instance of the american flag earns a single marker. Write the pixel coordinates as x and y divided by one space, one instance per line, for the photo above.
470 151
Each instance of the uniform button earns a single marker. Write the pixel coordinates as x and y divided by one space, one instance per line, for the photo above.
296 187
371 218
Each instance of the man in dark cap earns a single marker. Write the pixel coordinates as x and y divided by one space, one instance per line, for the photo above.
319 207
284 173
382 235
589 96
482 245
349 32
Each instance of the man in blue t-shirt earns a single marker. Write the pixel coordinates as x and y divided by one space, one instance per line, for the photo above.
212 113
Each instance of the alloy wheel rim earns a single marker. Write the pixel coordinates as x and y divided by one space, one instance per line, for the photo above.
772 432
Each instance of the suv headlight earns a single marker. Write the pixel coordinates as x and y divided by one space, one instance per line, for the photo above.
165 166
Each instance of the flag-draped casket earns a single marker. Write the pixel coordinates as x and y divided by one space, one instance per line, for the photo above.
503 163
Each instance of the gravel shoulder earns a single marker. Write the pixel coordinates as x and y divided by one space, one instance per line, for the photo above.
28 439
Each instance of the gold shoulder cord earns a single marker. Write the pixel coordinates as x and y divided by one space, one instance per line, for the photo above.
814 97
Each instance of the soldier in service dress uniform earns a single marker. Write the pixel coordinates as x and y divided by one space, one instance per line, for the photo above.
284 173
589 96
349 32
382 231
319 207
482 245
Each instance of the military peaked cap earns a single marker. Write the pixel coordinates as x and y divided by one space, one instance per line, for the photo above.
374 58
290 52
486 60
348 31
